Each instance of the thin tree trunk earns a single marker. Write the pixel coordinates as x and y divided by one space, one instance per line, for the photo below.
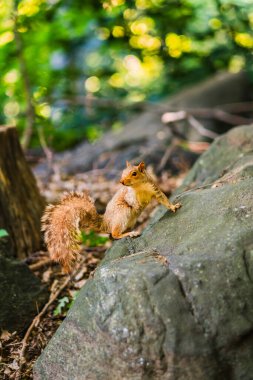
21 204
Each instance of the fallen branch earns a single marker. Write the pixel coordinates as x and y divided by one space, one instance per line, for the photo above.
237 107
229 118
173 117
200 128
219 114
209 113
240 107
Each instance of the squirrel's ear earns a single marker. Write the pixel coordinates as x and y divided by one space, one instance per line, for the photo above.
128 164
141 166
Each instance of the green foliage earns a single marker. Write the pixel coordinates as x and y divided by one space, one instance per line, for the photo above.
61 54
64 304
3 233
92 239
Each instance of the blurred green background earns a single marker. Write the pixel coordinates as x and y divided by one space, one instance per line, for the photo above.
72 69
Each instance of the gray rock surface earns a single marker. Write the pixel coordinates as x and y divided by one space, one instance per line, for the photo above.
177 302
21 295
230 155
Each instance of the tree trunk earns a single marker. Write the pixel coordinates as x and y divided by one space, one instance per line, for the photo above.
21 204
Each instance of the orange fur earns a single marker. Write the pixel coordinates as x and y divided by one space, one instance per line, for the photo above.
62 223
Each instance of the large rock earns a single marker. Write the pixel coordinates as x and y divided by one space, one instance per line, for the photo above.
176 303
229 155
21 295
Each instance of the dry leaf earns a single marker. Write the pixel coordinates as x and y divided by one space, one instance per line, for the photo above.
5 335
7 371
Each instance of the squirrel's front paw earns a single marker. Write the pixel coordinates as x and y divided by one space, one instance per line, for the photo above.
174 208
134 233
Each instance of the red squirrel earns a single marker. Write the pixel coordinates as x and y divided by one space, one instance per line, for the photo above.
62 223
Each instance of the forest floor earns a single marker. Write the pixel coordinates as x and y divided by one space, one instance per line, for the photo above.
19 352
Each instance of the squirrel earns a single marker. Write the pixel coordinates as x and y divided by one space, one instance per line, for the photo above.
62 223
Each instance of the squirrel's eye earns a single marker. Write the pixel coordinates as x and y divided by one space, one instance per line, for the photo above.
134 174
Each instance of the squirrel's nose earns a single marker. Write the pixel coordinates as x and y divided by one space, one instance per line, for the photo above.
122 181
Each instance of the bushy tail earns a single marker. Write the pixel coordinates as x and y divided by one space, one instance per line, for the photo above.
62 224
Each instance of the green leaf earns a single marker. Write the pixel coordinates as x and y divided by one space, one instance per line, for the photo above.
91 239
73 299
3 233
61 305
64 304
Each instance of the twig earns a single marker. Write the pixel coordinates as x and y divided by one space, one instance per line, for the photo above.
51 168
200 128
40 264
173 118
167 153
38 317
48 152
198 146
